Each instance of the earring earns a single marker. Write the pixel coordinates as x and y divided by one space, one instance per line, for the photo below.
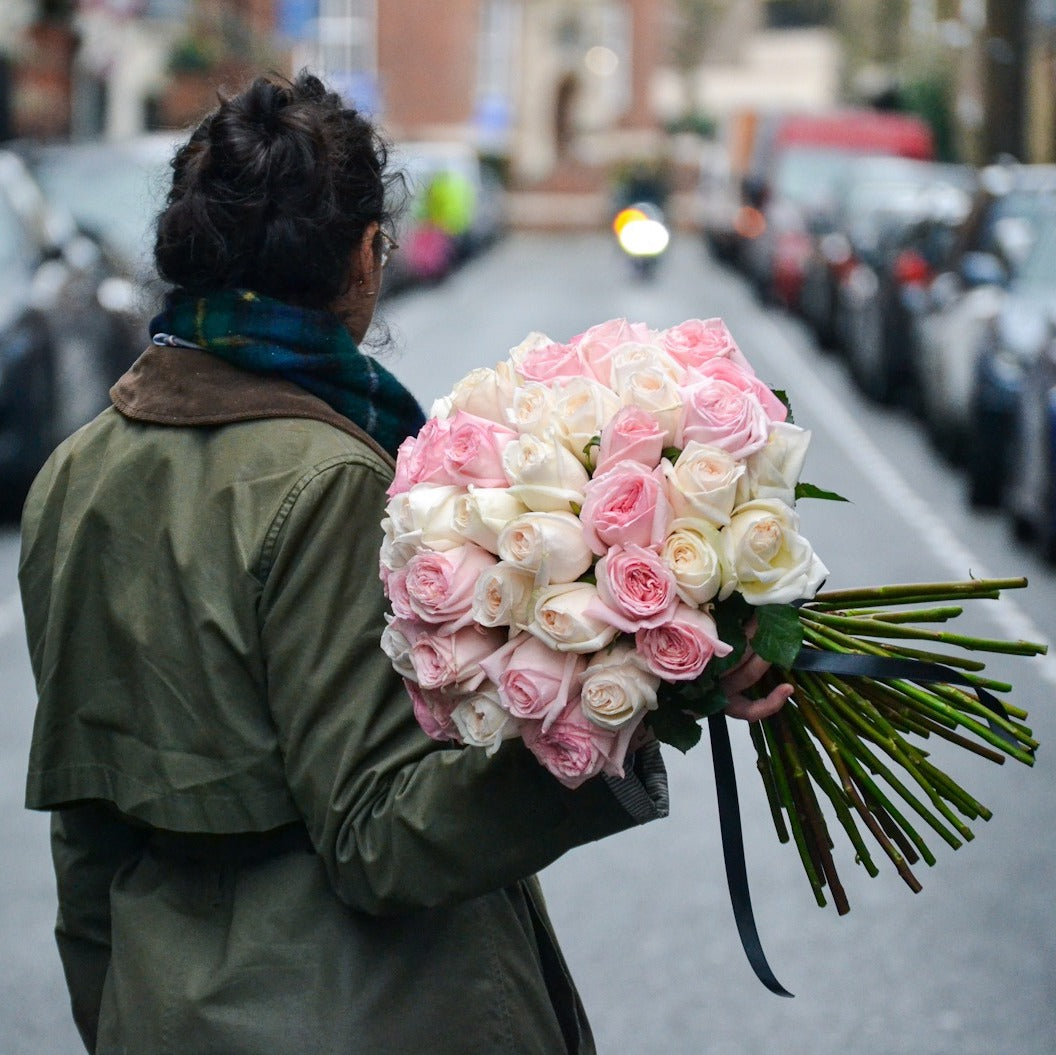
365 292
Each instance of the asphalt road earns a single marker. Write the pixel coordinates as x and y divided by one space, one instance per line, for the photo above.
967 967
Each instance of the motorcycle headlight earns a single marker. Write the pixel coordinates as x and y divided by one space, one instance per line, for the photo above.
644 237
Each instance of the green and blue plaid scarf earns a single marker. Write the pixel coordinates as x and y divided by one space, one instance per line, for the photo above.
310 348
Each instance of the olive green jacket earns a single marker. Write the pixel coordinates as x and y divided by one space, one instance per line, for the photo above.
257 849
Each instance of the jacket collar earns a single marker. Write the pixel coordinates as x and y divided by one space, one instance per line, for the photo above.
189 387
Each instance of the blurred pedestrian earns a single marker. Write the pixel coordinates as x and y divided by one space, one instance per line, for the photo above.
257 849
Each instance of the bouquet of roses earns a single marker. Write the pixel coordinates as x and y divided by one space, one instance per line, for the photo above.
579 543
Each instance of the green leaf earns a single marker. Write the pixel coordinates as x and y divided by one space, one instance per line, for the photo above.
778 635
594 441
671 454
810 491
675 727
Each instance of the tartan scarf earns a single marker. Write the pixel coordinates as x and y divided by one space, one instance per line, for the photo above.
308 347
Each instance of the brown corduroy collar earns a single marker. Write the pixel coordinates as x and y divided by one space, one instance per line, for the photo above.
186 386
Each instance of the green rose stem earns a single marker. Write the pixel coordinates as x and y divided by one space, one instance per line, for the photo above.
914 615
876 628
834 704
816 767
815 829
843 768
787 799
767 774
913 593
830 639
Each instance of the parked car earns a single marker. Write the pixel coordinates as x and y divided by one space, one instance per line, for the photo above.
877 286
1030 485
1008 400
966 292
54 330
796 159
114 191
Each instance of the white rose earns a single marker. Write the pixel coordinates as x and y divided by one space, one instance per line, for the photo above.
772 562
703 482
482 512
431 513
503 596
653 390
617 688
550 545
485 392
561 622
533 341
774 471
482 722
442 408
544 474
396 645
581 410
531 408
396 550
632 356
694 553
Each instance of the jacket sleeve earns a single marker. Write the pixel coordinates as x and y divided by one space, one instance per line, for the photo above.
89 843
400 821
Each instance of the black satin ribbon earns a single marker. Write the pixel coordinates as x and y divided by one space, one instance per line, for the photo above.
890 669
821 662
733 853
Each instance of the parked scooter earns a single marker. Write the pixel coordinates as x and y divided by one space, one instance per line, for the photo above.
642 234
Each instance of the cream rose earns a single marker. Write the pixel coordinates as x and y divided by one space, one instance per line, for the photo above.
485 392
560 619
531 408
543 473
549 545
481 721
774 471
503 596
654 391
633 356
772 562
694 552
482 512
703 482
581 409
616 688
429 517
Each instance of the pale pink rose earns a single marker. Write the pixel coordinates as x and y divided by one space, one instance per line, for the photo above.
636 589
432 710
396 591
573 748
625 506
720 414
697 341
397 640
681 649
551 361
743 377
534 681
632 435
473 454
443 659
403 481
426 458
596 345
439 586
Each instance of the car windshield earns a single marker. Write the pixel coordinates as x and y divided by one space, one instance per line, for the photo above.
807 177
112 193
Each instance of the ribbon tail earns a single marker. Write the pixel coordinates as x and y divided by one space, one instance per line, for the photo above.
733 854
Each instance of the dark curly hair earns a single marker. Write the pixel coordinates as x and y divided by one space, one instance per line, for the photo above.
273 192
